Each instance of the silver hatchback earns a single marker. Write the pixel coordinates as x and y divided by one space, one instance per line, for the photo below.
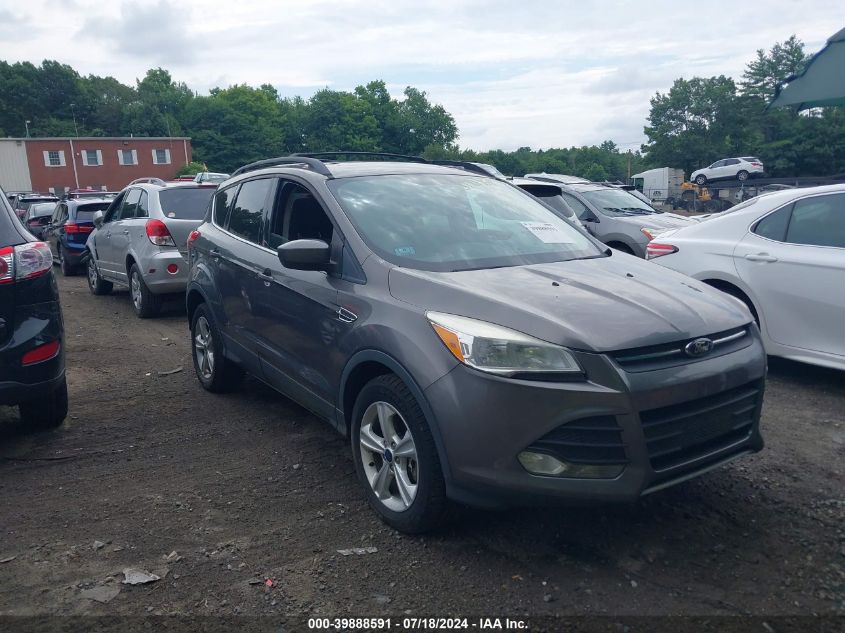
141 241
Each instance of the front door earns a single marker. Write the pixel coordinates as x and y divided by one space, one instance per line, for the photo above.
102 238
794 261
120 232
297 309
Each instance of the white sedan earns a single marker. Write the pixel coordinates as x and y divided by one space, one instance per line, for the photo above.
783 255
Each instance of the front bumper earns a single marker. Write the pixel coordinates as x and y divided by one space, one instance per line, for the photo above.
485 421
156 276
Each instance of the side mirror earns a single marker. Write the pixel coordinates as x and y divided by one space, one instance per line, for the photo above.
98 219
305 255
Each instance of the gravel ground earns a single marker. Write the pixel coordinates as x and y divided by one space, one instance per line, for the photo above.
218 494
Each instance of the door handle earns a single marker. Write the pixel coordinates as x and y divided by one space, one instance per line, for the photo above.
108 235
214 253
126 231
761 257
266 276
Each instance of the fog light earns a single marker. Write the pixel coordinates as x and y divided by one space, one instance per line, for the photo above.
543 464
172 269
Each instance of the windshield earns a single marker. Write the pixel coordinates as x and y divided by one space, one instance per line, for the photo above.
85 212
185 203
452 223
26 203
41 208
617 202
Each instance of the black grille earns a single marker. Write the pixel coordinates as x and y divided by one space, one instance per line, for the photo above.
682 432
672 354
595 440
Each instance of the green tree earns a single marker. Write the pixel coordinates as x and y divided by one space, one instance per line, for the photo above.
769 71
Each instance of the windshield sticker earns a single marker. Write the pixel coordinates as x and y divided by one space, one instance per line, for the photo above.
547 233
405 251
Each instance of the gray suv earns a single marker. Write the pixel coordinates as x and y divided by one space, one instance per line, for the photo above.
617 218
141 241
472 345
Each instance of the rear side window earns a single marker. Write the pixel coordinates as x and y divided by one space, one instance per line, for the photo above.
247 214
818 221
143 206
130 204
222 202
185 203
773 226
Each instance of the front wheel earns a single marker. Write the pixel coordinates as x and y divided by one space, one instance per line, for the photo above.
701 180
96 284
47 412
68 269
395 457
742 175
145 303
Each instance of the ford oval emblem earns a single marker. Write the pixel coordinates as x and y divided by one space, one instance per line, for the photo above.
698 347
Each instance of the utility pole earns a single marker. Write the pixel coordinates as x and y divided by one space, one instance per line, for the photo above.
26 123
73 111
629 168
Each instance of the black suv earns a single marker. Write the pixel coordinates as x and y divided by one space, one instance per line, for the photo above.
473 345
32 359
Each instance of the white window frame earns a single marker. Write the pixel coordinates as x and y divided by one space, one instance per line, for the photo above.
61 154
84 154
166 156
120 158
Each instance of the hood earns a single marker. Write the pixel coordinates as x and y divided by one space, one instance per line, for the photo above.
605 304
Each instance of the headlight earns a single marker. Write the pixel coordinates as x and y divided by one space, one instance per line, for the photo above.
651 232
499 350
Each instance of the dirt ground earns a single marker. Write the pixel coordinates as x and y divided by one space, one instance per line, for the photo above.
217 494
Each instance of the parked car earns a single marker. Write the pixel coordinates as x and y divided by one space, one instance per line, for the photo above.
551 194
741 168
32 359
783 255
471 344
24 201
68 230
140 242
617 218
37 217
563 178
210 177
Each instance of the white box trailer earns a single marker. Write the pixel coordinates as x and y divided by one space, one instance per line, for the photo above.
661 184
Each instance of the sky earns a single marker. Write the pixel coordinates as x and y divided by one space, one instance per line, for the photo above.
513 73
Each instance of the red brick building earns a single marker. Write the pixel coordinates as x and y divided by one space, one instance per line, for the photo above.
61 164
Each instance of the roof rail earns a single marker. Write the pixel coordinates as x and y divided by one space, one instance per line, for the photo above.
328 155
149 180
295 159
464 164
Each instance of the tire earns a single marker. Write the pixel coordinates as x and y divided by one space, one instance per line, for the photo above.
217 374
68 270
742 175
47 412
412 498
96 284
701 180
145 303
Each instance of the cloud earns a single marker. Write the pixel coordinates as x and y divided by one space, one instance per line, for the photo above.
533 73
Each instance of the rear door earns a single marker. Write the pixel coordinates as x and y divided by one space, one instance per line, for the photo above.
794 260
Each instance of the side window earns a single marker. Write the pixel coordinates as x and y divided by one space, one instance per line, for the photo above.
579 207
57 214
143 206
818 221
773 226
296 216
222 202
731 161
247 214
113 212
130 204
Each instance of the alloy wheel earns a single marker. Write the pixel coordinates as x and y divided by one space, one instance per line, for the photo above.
135 289
204 348
389 456
92 273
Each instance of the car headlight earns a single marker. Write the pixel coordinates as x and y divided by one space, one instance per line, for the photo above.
499 350
651 232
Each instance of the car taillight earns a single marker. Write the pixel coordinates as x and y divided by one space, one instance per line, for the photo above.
655 249
193 237
71 228
41 353
7 265
159 234
32 259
